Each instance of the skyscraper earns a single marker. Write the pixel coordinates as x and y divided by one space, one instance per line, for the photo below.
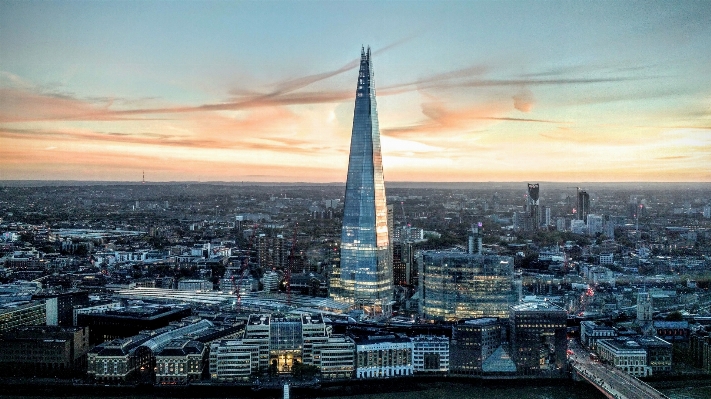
365 272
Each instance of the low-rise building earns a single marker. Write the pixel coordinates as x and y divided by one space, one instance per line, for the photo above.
591 332
233 360
382 356
430 354
119 359
180 362
626 355
335 357
47 351
659 354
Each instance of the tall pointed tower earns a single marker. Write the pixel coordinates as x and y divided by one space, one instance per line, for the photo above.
366 272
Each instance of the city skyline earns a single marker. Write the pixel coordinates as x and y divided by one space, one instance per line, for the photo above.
244 91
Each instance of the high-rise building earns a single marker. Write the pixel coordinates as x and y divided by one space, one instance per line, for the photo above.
365 271
455 285
582 208
533 209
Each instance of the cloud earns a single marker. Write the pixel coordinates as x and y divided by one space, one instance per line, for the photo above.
523 101
441 119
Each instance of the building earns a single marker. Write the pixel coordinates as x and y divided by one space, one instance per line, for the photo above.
122 359
457 285
195 285
430 354
60 306
659 354
532 216
233 361
273 342
119 359
473 341
591 332
538 338
582 207
335 357
181 361
626 355
272 252
129 321
365 272
403 262
595 224
382 356
644 307
46 351
672 331
13 315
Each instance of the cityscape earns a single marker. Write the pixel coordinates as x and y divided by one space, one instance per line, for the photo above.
579 276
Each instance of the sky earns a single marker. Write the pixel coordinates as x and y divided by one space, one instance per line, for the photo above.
467 91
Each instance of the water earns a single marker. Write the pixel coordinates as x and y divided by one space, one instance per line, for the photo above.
566 390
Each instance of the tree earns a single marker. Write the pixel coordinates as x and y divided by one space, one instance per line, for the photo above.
674 316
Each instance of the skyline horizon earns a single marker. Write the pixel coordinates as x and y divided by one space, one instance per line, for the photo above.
237 91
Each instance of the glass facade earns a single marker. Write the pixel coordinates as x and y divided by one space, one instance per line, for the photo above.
455 285
365 272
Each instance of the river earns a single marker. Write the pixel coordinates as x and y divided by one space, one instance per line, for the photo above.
567 390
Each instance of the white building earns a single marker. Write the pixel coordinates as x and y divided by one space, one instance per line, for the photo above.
383 356
233 360
628 356
607 259
430 354
335 357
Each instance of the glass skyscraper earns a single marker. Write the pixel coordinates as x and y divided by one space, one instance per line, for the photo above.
365 273
457 285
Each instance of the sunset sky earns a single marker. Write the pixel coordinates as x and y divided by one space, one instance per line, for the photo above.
467 91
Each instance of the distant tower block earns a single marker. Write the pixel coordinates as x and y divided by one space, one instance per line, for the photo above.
532 219
366 275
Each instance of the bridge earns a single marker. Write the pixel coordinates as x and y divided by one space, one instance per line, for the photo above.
612 382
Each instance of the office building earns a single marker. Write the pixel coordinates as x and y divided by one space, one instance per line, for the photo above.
626 355
430 354
125 322
473 341
365 269
381 356
275 342
60 306
457 285
46 351
538 338
13 315
402 262
335 357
